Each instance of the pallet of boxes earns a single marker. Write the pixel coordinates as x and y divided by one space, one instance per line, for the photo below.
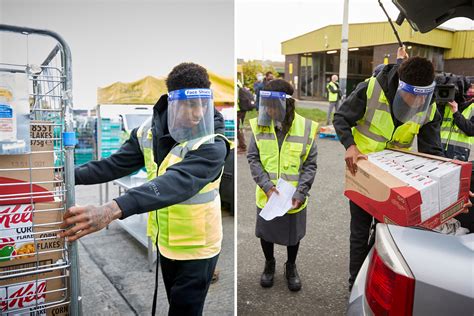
33 276
410 189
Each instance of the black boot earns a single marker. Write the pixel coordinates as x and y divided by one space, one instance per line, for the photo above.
292 277
266 279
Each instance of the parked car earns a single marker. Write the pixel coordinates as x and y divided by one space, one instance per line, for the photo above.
411 271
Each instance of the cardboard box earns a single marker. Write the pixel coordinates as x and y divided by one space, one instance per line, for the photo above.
403 188
45 296
28 240
41 135
15 185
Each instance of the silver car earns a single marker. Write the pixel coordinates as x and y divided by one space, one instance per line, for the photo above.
415 272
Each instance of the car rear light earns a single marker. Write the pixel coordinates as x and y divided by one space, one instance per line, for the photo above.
390 285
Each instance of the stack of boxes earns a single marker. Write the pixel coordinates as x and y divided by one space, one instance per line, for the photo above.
110 136
410 189
229 121
84 150
32 267
229 129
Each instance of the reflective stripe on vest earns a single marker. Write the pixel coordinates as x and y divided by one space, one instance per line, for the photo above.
286 163
191 229
376 130
145 140
450 132
332 96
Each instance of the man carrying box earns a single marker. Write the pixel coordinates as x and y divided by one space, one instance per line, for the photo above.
386 111
183 150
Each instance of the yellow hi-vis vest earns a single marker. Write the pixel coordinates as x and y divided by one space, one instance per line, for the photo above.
287 162
376 130
450 132
191 229
332 96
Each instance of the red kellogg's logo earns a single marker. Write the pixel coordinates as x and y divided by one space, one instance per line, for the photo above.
23 296
16 214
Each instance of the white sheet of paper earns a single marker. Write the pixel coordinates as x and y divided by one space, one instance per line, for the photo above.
279 204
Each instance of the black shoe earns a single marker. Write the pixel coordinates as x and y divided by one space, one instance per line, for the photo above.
266 280
292 277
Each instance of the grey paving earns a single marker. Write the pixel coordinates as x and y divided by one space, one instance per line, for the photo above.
323 258
320 105
115 277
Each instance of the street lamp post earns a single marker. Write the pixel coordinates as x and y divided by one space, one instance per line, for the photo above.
344 49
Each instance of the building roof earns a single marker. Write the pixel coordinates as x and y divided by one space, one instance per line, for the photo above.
457 44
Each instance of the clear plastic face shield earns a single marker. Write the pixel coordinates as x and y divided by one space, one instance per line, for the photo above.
412 102
272 107
190 114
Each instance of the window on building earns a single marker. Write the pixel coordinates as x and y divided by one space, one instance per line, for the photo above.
306 72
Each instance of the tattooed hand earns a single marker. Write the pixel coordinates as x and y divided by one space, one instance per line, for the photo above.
79 221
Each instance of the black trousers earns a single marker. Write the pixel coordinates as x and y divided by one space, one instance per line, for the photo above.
240 133
361 222
187 283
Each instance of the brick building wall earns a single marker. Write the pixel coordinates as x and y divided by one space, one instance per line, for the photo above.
380 52
463 67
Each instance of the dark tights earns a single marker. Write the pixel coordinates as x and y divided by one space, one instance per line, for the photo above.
268 248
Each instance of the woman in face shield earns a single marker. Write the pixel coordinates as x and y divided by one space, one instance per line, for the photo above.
282 147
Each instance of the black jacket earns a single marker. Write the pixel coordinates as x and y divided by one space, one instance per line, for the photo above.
179 183
353 109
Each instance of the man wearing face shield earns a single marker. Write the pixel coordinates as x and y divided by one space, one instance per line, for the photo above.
386 111
183 150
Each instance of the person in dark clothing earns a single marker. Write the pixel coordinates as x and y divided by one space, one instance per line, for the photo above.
257 86
352 115
466 125
457 130
282 146
177 180
334 96
245 103
268 77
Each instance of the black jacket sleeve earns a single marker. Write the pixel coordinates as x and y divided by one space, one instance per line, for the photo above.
127 159
180 182
465 125
351 110
429 137
332 89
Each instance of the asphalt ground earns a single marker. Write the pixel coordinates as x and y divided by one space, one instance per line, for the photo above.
115 279
323 258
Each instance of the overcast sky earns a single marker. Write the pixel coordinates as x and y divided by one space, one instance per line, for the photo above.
263 24
124 40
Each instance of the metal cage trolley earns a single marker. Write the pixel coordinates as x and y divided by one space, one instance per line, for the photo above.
39 272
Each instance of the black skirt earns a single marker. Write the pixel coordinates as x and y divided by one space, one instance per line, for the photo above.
286 230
